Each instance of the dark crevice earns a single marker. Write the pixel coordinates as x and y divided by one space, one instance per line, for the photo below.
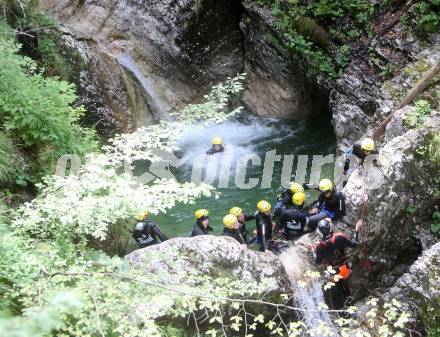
212 41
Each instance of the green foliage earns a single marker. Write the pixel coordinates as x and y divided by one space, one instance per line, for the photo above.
53 62
332 10
99 203
343 56
300 27
430 149
8 155
425 16
39 111
435 224
411 210
418 115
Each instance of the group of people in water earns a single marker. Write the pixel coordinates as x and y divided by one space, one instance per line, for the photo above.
290 219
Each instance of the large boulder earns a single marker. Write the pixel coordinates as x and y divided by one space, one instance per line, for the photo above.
399 195
180 261
418 290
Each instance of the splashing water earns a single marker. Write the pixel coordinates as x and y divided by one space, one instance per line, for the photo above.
241 137
310 298
308 294
244 135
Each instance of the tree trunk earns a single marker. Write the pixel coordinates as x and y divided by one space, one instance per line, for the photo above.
418 88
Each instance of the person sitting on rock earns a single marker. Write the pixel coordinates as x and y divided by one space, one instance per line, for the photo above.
217 146
264 224
201 226
331 204
293 221
330 250
242 218
147 233
232 229
361 149
285 199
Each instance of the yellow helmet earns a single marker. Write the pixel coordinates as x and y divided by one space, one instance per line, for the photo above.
367 144
217 141
295 187
237 211
325 185
141 215
230 220
299 198
263 206
200 213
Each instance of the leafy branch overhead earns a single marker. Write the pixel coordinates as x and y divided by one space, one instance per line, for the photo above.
105 192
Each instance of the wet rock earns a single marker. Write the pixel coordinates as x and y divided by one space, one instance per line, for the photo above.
178 259
399 196
155 56
277 85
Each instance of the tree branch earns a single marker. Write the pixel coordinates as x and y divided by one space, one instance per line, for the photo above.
179 291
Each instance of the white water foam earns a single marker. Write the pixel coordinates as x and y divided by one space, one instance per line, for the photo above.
308 295
240 138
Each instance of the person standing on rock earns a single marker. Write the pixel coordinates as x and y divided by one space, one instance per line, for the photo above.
217 146
242 218
330 250
292 221
147 233
232 229
264 224
201 226
331 204
361 150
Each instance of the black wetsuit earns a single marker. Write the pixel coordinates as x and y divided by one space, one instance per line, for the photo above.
199 229
147 233
333 208
335 205
331 252
285 200
293 222
243 229
356 150
213 151
235 234
263 223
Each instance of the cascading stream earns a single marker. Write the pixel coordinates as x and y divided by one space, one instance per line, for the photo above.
152 97
308 294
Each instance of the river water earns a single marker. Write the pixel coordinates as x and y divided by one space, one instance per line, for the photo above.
246 135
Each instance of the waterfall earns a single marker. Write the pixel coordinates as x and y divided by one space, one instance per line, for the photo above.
308 294
153 99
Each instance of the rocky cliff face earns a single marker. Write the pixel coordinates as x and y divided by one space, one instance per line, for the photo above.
361 98
418 290
400 196
277 84
143 59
